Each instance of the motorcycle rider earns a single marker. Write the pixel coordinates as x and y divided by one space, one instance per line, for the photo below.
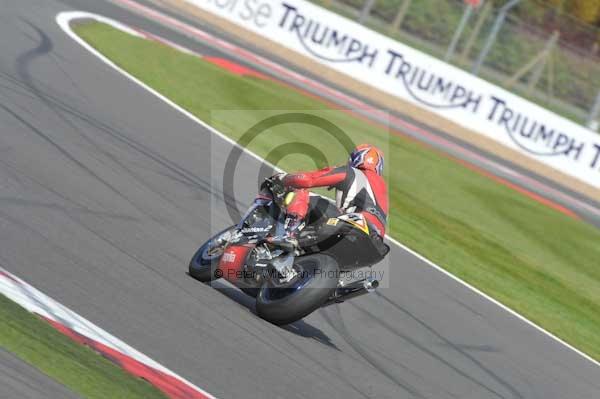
360 188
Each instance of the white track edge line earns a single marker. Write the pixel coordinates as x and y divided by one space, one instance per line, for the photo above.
35 301
64 18
196 33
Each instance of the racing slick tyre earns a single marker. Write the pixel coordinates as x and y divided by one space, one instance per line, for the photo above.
253 292
205 261
315 282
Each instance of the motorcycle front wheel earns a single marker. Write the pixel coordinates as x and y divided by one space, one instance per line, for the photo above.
206 259
316 281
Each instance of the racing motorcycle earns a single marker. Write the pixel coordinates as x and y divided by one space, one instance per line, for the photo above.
289 284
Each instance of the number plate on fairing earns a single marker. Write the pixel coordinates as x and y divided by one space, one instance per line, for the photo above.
357 220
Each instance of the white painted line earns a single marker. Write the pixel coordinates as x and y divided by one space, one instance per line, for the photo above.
280 70
37 302
64 20
169 43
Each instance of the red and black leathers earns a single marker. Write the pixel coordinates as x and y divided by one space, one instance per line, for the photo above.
360 191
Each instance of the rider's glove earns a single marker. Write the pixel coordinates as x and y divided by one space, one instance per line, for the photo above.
278 177
276 186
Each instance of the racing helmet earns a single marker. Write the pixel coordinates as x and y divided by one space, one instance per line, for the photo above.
367 157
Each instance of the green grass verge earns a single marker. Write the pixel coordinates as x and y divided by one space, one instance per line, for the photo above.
534 259
75 366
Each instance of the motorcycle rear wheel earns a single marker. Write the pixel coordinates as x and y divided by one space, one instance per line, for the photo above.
285 305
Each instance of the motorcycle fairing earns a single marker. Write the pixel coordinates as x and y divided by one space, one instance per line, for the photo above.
233 260
357 220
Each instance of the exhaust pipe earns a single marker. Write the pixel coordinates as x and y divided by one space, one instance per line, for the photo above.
352 290
370 285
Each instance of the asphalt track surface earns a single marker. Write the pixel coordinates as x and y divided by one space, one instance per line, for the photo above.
106 191
585 207
20 380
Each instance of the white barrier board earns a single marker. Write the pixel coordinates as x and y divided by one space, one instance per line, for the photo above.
411 75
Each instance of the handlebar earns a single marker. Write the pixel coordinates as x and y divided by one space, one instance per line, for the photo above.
275 187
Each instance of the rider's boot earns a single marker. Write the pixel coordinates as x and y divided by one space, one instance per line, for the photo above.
289 240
